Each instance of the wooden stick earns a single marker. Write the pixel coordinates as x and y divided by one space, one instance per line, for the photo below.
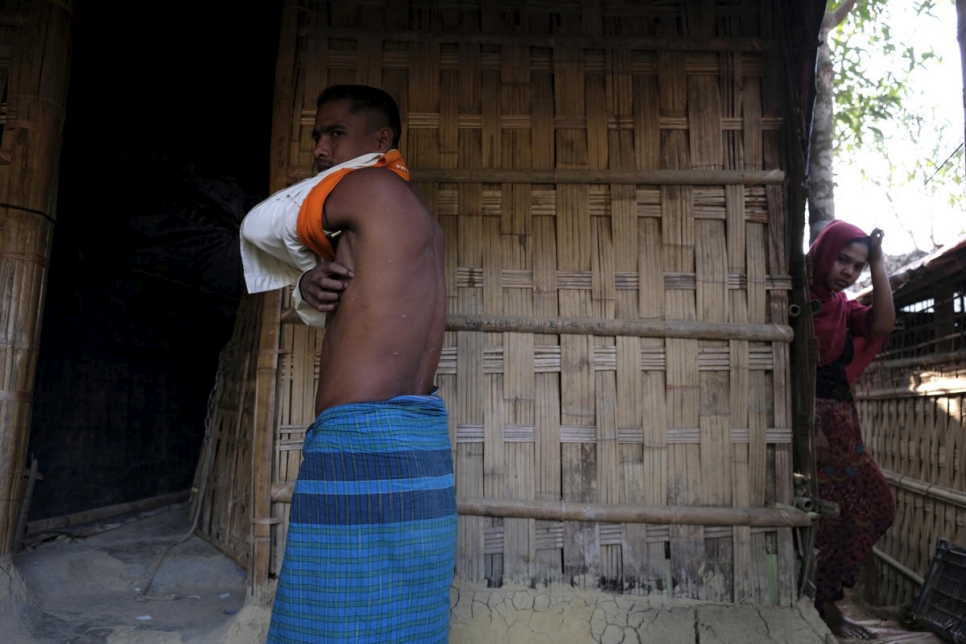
612 513
583 177
99 514
612 327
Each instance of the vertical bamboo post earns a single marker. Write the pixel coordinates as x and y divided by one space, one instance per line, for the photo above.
32 135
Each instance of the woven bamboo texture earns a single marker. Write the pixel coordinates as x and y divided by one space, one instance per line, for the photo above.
911 402
35 39
611 162
222 490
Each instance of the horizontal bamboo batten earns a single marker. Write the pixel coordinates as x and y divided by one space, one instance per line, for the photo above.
684 44
928 490
622 328
613 177
572 511
629 328
915 577
590 177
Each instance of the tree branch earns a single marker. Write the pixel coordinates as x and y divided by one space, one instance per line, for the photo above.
834 17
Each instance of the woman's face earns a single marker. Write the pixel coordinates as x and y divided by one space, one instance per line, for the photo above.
847 267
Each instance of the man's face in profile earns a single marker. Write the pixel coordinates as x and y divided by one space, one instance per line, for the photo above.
341 135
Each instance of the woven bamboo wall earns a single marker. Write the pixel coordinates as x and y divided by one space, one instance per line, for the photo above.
911 403
222 490
609 179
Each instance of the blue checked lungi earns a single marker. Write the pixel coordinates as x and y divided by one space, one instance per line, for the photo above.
371 541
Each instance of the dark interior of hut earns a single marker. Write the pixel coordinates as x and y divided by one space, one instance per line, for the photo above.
165 149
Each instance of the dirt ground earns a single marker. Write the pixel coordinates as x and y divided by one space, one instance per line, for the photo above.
88 590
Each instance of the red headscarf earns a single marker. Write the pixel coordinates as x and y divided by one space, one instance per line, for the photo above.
832 318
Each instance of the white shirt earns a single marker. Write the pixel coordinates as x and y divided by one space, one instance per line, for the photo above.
271 252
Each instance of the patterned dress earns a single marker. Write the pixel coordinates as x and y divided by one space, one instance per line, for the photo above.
852 479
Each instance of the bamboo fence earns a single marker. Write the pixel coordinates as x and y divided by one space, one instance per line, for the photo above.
34 70
911 402
611 179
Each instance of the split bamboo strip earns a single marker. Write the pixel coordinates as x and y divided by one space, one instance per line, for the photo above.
36 93
599 176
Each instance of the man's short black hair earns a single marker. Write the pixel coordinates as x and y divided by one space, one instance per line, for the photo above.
366 99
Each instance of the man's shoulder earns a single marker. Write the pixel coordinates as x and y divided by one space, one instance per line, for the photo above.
368 193
374 178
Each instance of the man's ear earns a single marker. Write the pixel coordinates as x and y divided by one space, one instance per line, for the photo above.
384 140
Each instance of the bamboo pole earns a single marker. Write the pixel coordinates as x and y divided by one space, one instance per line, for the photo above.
950 387
36 96
585 177
623 513
621 327
108 512
610 177
755 45
608 327
928 490
918 579
612 513
924 360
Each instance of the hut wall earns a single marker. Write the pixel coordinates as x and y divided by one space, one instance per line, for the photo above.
911 403
609 180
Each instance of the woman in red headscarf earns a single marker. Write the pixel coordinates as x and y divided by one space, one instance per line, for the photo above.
848 334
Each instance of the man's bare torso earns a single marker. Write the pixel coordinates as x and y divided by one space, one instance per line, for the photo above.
385 337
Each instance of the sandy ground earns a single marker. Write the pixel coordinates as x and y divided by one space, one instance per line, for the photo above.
88 590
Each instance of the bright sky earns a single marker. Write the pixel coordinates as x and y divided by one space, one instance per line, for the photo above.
939 87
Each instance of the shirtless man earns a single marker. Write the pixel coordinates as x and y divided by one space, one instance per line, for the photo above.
372 536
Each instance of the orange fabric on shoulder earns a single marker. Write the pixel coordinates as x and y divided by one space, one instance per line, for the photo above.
309 224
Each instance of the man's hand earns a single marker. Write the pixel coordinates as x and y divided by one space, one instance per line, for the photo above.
322 286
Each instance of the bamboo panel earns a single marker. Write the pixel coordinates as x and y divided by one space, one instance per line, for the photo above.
223 480
35 91
614 272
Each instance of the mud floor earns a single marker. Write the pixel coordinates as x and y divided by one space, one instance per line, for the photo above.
88 590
